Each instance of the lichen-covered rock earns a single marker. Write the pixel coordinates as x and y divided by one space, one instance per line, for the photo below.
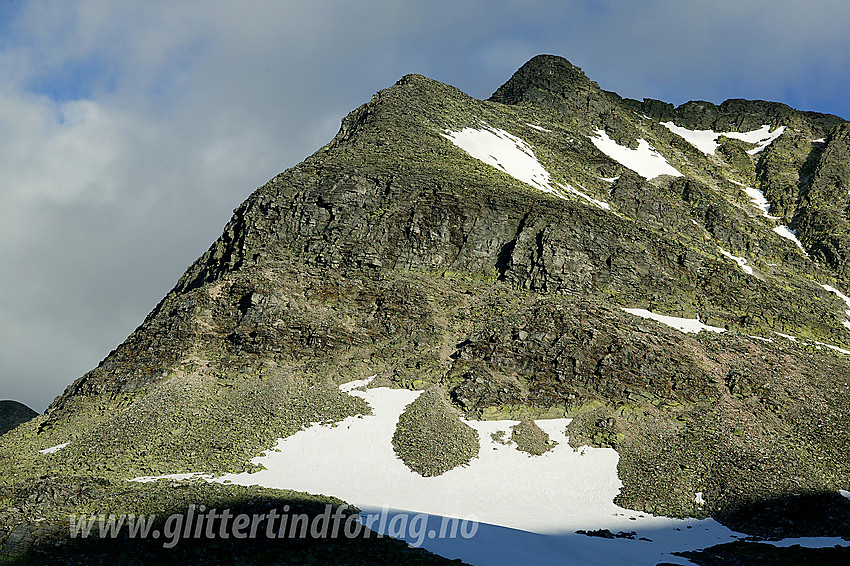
823 220
430 438
530 438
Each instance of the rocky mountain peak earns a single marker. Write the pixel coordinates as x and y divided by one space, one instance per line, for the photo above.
556 251
543 79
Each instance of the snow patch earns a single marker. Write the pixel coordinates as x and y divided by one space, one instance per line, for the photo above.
762 137
176 477
844 298
357 384
539 128
505 152
831 347
706 140
840 295
569 188
844 493
760 201
703 140
762 338
681 324
789 234
808 542
818 344
645 160
788 336
53 449
698 499
742 262
513 156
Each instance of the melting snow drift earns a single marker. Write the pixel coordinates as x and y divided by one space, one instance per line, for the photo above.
503 151
742 262
504 508
789 234
53 449
681 324
513 156
703 140
706 140
645 160
844 298
759 200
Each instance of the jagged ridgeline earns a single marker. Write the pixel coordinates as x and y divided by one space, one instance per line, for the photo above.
490 248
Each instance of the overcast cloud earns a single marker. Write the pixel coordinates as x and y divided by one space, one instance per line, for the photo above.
130 130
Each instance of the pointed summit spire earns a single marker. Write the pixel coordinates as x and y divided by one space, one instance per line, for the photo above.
544 78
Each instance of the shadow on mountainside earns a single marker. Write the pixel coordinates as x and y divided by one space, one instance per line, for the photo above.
188 530
13 413
814 514
823 514
43 520
744 553
70 521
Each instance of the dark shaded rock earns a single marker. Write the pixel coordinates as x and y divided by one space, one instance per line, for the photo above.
742 553
605 533
824 217
13 413
732 115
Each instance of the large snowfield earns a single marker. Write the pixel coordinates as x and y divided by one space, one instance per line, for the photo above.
519 509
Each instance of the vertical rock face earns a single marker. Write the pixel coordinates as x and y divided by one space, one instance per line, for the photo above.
824 216
393 251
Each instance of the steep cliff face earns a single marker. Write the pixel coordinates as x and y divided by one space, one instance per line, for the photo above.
490 248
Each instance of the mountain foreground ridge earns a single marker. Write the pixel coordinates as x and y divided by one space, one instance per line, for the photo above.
513 258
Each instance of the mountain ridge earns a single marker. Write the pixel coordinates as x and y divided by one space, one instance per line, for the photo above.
393 251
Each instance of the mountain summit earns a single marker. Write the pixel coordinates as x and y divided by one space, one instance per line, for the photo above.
546 80
660 288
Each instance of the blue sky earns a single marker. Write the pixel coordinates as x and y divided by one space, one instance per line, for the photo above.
132 129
